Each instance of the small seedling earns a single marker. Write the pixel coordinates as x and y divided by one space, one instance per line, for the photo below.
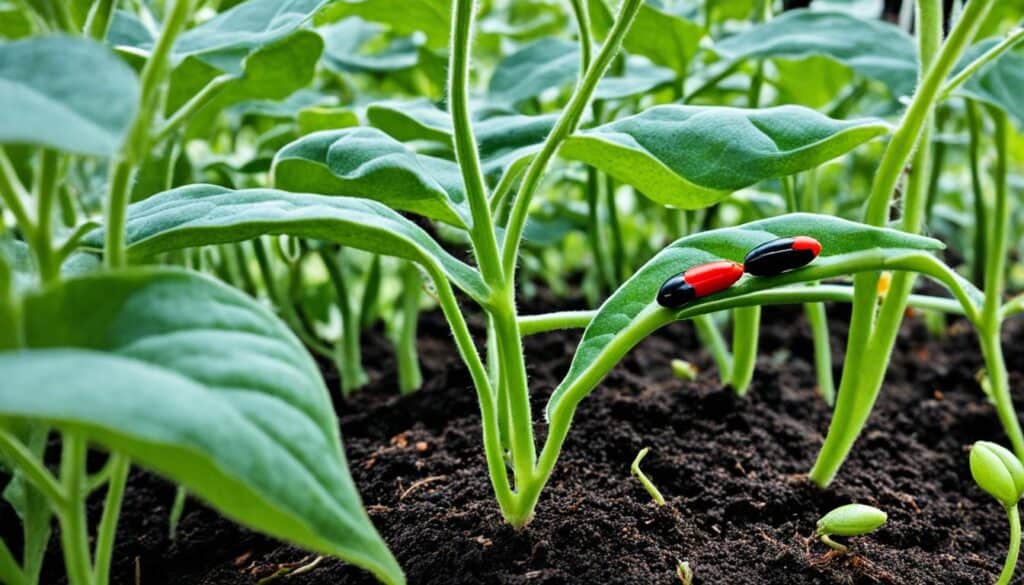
998 471
644 480
684 572
849 520
684 370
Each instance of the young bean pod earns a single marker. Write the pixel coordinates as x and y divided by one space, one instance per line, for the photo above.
699 281
781 255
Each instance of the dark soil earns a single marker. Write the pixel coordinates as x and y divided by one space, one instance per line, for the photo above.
739 507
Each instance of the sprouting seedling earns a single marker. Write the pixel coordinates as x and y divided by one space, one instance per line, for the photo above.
849 520
684 572
700 281
781 255
684 370
999 473
644 480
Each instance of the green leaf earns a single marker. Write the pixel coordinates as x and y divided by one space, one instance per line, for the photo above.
553 64
693 156
873 48
227 39
365 162
50 96
998 83
201 383
664 38
404 17
615 328
202 215
346 42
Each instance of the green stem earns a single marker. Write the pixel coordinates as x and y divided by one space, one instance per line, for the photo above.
593 191
193 105
10 570
107 531
74 534
485 243
46 197
618 257
586 36
350 357
14 195
97 22
513 373
711 338
746 324
818 321
1010 565
1015 36
152 79
980 252
409 376
29 464
565 126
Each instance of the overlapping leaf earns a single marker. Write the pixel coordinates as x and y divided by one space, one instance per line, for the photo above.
404 17
200 215
345 41
666 39
873 48
635 300
201 383
693 156
365 162
50 96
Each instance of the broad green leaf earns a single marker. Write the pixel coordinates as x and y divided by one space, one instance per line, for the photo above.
634 301
201 383
873 48
202 215
867 9
272 72
523 20
666 39
365 162
345 48
998 83
404 17
553 64
50 95
693 156
227 39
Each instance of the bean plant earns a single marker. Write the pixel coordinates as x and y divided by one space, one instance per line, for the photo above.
199 198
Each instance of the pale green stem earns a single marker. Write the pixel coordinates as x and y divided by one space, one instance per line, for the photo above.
14 195
97 22
485 243
409 376
1015 36
645 481
579 10
107 531
350 359
979 256
193 105
152 79
565 126
746 323
711 338
74 533
1010 565
818 321
10 570
46 197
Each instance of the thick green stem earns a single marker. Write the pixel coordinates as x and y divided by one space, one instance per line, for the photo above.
1010 565
107 531
350 359
818 321
485 243
14 195
74 533
711 338
746 323
974 148
10 570
409 376
152 79
565 126
513 376
97 22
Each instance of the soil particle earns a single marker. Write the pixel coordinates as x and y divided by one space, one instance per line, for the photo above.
739 509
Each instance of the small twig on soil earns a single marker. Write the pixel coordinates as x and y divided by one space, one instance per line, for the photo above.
292 569
420 484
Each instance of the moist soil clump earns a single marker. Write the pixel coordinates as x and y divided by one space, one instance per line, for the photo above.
739 508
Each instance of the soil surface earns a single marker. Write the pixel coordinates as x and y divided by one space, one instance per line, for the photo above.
733 471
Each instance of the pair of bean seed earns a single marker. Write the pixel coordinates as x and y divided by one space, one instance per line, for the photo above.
768 259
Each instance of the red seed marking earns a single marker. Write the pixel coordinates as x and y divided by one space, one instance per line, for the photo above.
807 243
713 277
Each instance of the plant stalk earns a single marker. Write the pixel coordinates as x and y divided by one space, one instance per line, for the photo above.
1010 565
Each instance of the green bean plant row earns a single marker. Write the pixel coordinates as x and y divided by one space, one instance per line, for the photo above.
206 202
